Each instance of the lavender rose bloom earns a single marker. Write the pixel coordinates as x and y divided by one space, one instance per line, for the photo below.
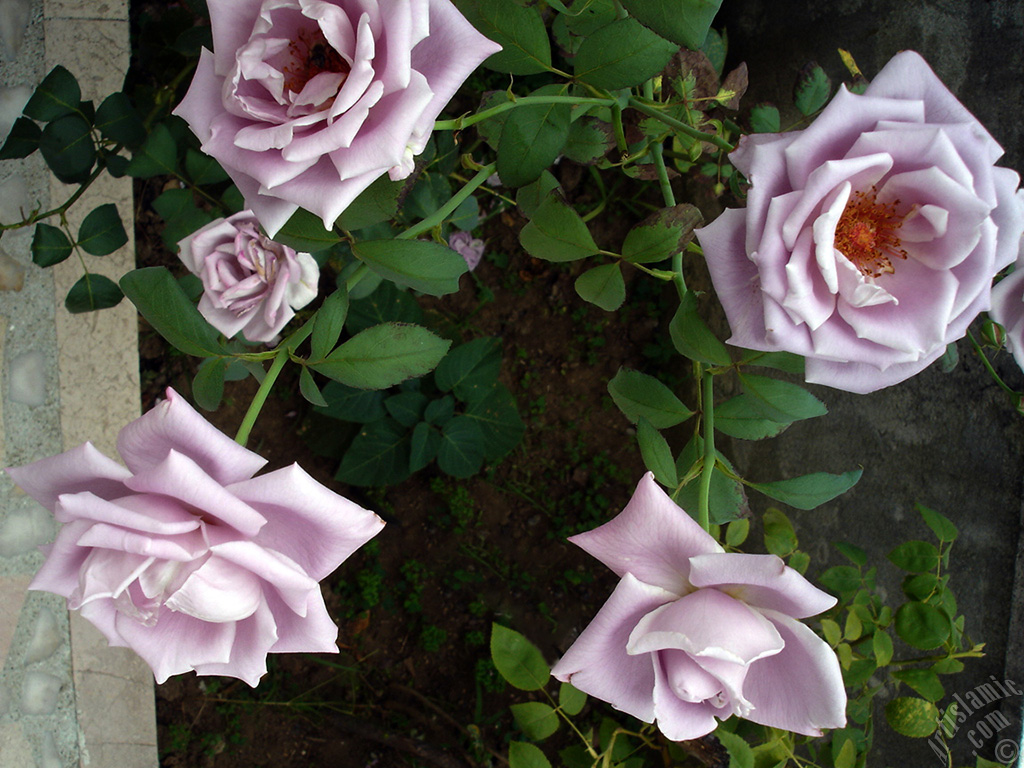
306 102
468 247
250 283
184 556
693 633
870 239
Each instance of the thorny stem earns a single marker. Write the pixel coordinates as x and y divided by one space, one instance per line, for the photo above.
242 437
448 208
659 159
988 365
682 127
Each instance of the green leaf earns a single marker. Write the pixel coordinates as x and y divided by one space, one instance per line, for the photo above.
809 491
570 700
377 203
388 303
208 384
423 446
438 412
741 417
406 407
499 422
158 155
779 536
656 454
461 452
684 22
915 556
741 755
912 717
812 89
517 659
423 266
589 140
102 232
536 719
556 232
782 361
378 456
49 245
519 30
56 96
67 147
305 232
329 323
92 292
522 754
161 300
361 406
203 169
881 644
621 55
384 355
309 390
662 235
941 525
923 681
737 531
847 757
855 555
764 118
780 400
922 626
182 217
118 121
841 579
602 286
727 500
639 395
691 336
530 197
531 138
830 629
470 369
22 141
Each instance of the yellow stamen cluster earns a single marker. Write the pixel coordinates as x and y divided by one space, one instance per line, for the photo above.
867 234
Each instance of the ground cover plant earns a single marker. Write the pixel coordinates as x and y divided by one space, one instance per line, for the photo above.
441 252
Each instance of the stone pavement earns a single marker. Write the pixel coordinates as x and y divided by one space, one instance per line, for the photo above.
66 698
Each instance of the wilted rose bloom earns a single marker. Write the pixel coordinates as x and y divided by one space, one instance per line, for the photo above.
306 102
1008 310
870 239
468 247
184 556
692 633
250 283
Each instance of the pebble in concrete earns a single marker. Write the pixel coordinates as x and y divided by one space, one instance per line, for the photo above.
46 637
14 199
12 102
12 274
27 374
39 693
14 15
24 530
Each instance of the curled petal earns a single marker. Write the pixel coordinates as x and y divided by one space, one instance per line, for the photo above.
81 470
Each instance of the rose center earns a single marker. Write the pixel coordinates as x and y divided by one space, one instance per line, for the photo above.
312 55
867 234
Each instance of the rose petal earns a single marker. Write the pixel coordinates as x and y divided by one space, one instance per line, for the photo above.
177 643
762 581
678 719
82 469
254 637
652 538
311 631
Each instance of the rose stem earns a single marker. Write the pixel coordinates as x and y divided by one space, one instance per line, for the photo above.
708 410
682 127
458 123
448 208
659 159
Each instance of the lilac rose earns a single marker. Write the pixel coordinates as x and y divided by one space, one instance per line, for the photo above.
470 248
870 239
250 283
184 556
693 634
306 102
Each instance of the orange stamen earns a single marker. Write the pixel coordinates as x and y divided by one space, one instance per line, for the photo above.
867 234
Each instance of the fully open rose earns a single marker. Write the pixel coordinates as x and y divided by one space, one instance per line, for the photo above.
306 102
184 556
693 633
870 239
251 284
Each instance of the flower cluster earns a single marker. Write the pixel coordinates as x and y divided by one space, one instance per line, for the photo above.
870 239
693 634
184 556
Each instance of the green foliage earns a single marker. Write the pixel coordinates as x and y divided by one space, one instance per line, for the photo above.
518 660
639 395
813 88
692 337
102 232
423 266
602 286
519 30
684 22
661 235
809 491
92 292
556 232
621 54
532 136
50 246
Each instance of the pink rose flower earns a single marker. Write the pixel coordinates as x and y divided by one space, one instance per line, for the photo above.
250 283
870 239
184 556
306 102
693 633
1008 310
468 247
